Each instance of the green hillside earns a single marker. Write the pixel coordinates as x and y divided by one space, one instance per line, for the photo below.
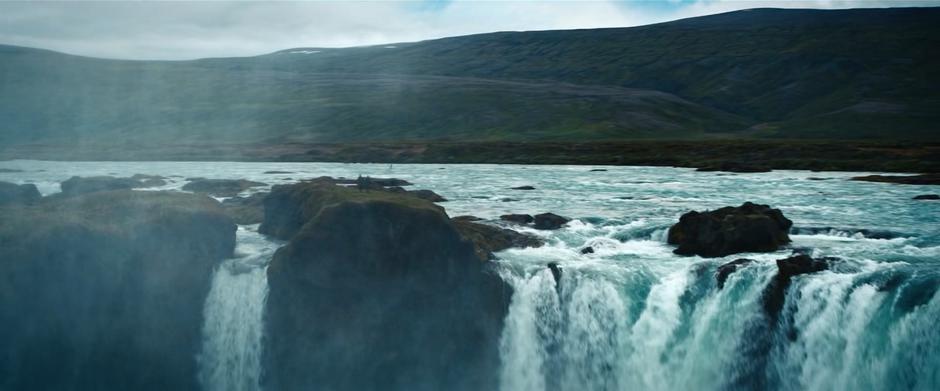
765 73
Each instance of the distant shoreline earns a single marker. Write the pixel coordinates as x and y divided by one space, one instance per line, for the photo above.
718 155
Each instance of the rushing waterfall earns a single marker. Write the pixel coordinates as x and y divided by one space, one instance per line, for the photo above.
233 332
631 323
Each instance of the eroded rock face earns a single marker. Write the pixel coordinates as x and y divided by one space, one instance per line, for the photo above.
488 239
11 193
729 230
377 291
106 290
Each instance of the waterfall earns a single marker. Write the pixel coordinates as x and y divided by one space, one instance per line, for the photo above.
847 329
233 331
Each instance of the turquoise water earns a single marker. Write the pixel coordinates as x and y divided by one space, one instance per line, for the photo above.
633 315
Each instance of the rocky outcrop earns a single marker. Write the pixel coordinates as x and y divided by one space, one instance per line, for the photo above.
220 187
518 218
83 185
729 230
11 193
526 187
488 239
245 210
923 179
427 195
927 197
549 221
106 290
725 271
77 185
381 283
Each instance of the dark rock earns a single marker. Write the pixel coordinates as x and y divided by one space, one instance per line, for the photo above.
923 179
517 218
775 293
488 239
724 271
220 187
587 250
548 221
245 210
11 193
427 195
523 188
729 230
79 185
371 182
598 169
278 172
731 166
106 290
928 197
812 178
556 271
381 283
466 218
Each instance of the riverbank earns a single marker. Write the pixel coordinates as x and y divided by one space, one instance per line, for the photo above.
748 155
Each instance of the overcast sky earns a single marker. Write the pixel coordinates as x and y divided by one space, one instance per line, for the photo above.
184 30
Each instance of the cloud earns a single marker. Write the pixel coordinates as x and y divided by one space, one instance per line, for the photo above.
183 30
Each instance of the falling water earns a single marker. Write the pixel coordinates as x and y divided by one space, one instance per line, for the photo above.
629 324
233 332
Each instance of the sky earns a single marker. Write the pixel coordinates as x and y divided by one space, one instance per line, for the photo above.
176 30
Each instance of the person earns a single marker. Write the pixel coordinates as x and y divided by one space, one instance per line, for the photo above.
362 183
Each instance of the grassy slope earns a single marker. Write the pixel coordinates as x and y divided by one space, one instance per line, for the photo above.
759 73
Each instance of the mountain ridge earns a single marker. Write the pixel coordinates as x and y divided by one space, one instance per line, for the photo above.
761 73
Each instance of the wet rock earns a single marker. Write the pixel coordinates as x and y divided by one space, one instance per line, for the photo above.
724 271
549 221
923 179
277 172
245 210
466 218
523 188
517 218
556 271
380 282
927 197
427 195
488 239
587 250
220 187
83 185
11 193
787 268
729 230
107 290
598 169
